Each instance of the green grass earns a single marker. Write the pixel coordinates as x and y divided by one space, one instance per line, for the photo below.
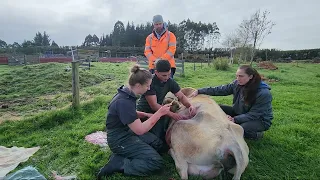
28 90
289 150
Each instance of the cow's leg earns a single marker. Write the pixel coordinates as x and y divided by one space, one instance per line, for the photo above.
181 164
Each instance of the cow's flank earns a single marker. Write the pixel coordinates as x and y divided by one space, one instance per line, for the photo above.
207 143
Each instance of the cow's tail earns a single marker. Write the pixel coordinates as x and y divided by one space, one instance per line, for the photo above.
240 155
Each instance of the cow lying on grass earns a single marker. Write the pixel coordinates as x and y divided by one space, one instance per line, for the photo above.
207 143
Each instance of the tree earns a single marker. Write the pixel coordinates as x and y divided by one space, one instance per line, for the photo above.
38 39
95 40
54 44
257 27
26 44
105 40
87 40
244 38
45 39
232 42
16 45
118 34
214 34
41 40
194 34
3 44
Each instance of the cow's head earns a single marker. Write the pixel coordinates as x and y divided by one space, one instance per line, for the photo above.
175 105
171 98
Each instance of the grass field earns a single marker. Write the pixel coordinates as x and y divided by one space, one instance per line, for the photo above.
38 114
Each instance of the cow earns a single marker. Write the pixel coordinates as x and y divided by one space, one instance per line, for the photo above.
207 143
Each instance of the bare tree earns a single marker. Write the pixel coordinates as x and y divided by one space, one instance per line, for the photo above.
232 42
256 29
244 37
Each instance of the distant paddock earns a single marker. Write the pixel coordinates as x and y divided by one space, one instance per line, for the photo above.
67 59
22 60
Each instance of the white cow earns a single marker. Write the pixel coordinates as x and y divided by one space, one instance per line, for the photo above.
207 143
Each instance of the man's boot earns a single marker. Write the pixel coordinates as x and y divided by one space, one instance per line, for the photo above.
115 164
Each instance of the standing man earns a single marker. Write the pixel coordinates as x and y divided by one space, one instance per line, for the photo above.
160 44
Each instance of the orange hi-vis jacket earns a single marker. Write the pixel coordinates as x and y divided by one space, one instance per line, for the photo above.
160 49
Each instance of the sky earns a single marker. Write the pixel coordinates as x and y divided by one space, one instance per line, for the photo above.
68 22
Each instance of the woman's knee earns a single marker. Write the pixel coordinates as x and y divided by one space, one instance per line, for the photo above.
253 126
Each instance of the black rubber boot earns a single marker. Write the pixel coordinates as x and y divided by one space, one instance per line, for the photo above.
115 164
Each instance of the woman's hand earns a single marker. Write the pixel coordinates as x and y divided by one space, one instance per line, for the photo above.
164 110
195 93
230 118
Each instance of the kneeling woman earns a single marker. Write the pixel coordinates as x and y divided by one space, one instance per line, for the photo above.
251 107
132 155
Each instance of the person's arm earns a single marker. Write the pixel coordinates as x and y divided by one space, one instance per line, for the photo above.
152 101
222 90
140 128
258 109
185 101
171 47
148 51
143 114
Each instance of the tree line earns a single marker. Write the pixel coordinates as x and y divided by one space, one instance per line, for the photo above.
192 37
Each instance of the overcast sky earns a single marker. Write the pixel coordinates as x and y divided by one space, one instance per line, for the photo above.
69 21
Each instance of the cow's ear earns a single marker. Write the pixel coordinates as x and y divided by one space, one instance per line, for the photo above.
167 101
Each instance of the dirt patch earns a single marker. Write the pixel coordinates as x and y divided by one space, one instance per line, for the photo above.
267 65
10 116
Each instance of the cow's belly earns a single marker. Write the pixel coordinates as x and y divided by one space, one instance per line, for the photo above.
198 144
205 157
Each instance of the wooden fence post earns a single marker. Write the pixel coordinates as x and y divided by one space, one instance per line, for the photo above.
75 84
75 81
182 71
182 64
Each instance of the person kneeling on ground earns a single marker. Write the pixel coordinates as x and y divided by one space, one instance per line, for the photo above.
251 107
132 154
152 100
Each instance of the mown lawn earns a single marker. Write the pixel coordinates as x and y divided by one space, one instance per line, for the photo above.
289 150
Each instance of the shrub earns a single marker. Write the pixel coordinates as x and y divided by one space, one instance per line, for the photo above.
221 64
